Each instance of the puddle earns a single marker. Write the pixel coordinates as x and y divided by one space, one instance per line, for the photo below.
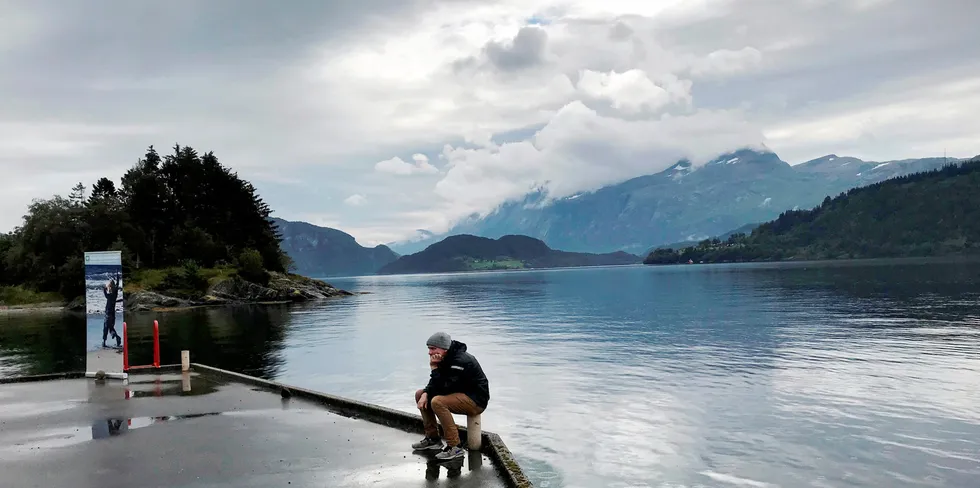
60 437
113 427
10 411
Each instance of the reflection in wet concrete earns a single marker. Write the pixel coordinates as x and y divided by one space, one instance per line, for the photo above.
434 468
108 427
180 384
116 426
454 467
64 436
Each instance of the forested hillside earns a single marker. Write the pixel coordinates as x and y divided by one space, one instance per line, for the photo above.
933 213
183 210
473 253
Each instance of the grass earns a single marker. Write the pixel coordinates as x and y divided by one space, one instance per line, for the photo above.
150 279
18 295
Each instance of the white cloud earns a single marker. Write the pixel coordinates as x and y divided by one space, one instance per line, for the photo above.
581 150
630 91
724 62
355 200
928 121
397 166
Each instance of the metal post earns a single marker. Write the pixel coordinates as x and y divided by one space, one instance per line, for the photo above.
473 432
156 344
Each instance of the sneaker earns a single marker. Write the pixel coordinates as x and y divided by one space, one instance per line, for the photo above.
451 453
427 444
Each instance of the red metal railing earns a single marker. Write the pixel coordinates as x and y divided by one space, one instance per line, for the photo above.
156 348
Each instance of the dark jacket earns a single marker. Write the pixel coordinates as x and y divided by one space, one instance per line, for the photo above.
111 298
459 372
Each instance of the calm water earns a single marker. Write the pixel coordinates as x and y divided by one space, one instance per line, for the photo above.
804 375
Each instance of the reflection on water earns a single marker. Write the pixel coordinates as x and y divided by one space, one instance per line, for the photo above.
774 375
246 339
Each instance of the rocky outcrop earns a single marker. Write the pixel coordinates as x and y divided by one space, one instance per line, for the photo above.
143 301
76 305
281 288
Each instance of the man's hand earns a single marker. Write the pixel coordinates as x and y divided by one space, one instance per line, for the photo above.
424 399
434 361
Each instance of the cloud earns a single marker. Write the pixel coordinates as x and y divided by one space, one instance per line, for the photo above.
397 166
355 200
724 62
581 150
942 115
631 91
527 49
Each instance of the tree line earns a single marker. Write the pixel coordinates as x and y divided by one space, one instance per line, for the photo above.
931 213
182 209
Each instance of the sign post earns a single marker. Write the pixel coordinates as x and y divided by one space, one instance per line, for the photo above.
104 314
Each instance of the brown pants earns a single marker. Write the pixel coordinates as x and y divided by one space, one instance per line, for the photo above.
443 408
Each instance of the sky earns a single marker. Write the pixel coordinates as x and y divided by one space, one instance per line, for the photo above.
383 117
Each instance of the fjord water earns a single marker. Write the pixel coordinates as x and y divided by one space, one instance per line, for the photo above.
832 374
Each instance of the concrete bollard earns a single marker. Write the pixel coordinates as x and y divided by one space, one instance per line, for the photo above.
185 360
185 381
474 434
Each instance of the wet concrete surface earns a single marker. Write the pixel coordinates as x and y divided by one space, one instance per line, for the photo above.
192 430
107 359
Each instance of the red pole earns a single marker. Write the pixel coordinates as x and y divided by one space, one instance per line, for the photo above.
125 348
156 344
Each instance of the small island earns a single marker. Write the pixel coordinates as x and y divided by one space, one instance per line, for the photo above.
934 213
190 231
472 253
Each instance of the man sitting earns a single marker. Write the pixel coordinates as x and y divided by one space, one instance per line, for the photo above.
457 385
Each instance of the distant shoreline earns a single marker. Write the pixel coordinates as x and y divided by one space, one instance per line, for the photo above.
32 308
281 289
946 258
511 270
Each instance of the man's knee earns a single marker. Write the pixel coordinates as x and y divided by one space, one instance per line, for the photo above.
418 395
438 402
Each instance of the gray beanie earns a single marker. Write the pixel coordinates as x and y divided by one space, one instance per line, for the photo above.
440 340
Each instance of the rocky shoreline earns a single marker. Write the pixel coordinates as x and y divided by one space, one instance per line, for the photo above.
282 288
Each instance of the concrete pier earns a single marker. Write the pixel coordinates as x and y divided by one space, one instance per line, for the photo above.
202 428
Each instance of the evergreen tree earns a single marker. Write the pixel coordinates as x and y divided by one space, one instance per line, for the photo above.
182 210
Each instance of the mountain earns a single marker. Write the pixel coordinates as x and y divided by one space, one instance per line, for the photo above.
471 253
322 251
932 213
859 173
681 203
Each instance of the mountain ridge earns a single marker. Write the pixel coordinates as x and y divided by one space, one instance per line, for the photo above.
472 253
325 252
924 214
681 203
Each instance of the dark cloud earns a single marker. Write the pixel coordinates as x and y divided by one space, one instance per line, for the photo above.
87 86
95 54
214 65
620 31
820 51
526 49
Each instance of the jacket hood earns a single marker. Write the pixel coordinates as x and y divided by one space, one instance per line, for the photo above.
456 348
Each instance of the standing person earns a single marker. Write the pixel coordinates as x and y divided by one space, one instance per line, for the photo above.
457 385
111 292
